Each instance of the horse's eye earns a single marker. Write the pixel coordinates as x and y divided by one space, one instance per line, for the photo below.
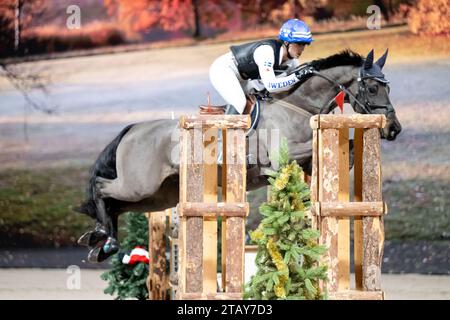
373 89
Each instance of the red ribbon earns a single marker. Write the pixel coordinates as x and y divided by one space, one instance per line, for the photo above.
340 100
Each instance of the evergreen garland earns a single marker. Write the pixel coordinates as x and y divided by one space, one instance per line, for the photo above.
288 253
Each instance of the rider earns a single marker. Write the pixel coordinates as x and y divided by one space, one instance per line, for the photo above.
250 68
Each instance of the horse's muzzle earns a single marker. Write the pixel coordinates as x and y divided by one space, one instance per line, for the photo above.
392 128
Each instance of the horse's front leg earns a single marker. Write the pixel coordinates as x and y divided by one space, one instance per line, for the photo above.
92 238
104 249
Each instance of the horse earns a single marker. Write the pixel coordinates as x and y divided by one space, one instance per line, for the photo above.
139 170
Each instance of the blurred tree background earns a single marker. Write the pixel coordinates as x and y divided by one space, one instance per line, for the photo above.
39 26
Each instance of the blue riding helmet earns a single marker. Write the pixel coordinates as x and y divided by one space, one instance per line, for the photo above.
295 30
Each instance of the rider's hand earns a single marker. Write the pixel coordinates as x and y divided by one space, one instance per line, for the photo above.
303 72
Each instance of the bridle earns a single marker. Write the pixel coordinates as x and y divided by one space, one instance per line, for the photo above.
361 98
366 105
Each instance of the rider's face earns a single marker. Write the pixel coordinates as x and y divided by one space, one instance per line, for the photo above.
296 50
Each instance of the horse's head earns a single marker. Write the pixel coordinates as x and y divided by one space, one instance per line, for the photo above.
373 95
363 81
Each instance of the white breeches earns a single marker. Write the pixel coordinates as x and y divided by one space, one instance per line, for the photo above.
225 79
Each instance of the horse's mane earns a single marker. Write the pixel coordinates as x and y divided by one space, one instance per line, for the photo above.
343 58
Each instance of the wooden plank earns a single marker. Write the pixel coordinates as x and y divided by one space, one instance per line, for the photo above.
251 248
201 209
343 222
235 226
356 295
157 248
319 173
329 193
216 121
373 229
191 233
319 179
331 121
223 224
314 183
357 222
209 223
351 209
184 152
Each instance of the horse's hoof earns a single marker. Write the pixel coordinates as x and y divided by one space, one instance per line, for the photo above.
92 238
103 252
96 255
84 239
111 246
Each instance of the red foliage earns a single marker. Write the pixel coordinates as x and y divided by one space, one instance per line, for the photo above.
430 17
170 15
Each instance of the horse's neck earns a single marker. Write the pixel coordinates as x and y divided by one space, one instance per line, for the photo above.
292 117
315 94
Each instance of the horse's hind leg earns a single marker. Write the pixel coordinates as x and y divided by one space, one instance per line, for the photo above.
109 188
119 189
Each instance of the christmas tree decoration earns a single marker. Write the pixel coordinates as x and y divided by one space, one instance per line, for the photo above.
128 280
138 254
288 257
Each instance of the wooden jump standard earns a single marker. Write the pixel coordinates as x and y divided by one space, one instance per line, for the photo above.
331 206
199 208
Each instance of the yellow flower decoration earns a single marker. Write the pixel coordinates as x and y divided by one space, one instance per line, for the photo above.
281 181
281 266
257 235
279 290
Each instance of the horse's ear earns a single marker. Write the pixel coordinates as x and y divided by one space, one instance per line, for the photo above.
369 60
380 62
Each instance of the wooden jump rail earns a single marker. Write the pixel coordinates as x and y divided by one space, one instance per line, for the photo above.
331 207
199 208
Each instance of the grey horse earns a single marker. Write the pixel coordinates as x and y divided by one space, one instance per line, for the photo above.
138 170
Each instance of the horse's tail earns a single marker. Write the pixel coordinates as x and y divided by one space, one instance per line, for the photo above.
105 167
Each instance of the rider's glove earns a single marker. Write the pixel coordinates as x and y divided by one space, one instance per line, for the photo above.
304 72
